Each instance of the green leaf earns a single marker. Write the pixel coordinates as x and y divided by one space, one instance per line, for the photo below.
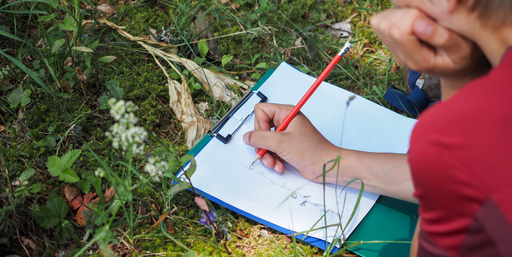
47 141
103 100
115 90
68 175
15 97
54 3
68 24
186 158
28 71
179 187
82 49
88 58
35 188
193 253
27 174
54 165
262 65
203 47
44 218
51 214
108 58
191 168
47 17
64 232
57 45
256 75
226 59
95 44
25 97
69 158
85 185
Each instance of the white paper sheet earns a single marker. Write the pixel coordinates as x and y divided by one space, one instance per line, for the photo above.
223 169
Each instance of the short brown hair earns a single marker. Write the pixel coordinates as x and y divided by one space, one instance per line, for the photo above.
493 13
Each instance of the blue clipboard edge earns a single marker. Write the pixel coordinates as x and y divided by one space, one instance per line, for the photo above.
382 223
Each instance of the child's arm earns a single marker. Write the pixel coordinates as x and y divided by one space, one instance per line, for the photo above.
302 146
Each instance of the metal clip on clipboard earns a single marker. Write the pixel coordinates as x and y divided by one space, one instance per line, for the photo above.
215 130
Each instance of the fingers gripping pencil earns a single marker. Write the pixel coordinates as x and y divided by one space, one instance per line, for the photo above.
308 94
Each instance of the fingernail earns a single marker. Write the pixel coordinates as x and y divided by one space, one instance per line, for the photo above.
423 27
276 168
264 161
246 138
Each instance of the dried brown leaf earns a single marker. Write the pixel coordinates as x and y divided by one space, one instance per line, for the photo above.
162 218
28 243
80 74
235 6
2 128
82 204
170 228
110 193
193 124
201 202
70 193
41 43
68 62
202 107
20 113
66 86
106 8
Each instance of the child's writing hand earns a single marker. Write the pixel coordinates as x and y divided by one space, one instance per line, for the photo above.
421 44
300 144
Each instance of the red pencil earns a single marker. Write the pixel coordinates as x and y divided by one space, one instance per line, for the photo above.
308 94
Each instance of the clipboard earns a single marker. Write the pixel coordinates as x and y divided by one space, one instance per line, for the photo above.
389 221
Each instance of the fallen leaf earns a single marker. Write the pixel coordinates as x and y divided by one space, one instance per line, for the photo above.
110 193
106 8
66 86
41 43
82 204
342 29
202 107
2 128
80 74
150 37
224 1
235 6
170 227
68 62
28 243
202 28
162 218
241 233
70 193
201 202
153 213
20 113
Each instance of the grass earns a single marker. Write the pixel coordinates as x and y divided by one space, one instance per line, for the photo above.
57 74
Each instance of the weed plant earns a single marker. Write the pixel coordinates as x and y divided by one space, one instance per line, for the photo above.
57 76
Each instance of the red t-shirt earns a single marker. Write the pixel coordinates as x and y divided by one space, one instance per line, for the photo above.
461 166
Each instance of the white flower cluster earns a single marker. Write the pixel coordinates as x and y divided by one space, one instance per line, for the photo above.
124 133
155 167
99 172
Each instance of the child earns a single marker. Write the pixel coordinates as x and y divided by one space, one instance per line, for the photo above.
459 166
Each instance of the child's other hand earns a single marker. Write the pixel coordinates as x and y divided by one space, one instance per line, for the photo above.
300 144
421 44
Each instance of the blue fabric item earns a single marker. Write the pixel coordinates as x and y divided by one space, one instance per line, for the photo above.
413 77
399 100
415 102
